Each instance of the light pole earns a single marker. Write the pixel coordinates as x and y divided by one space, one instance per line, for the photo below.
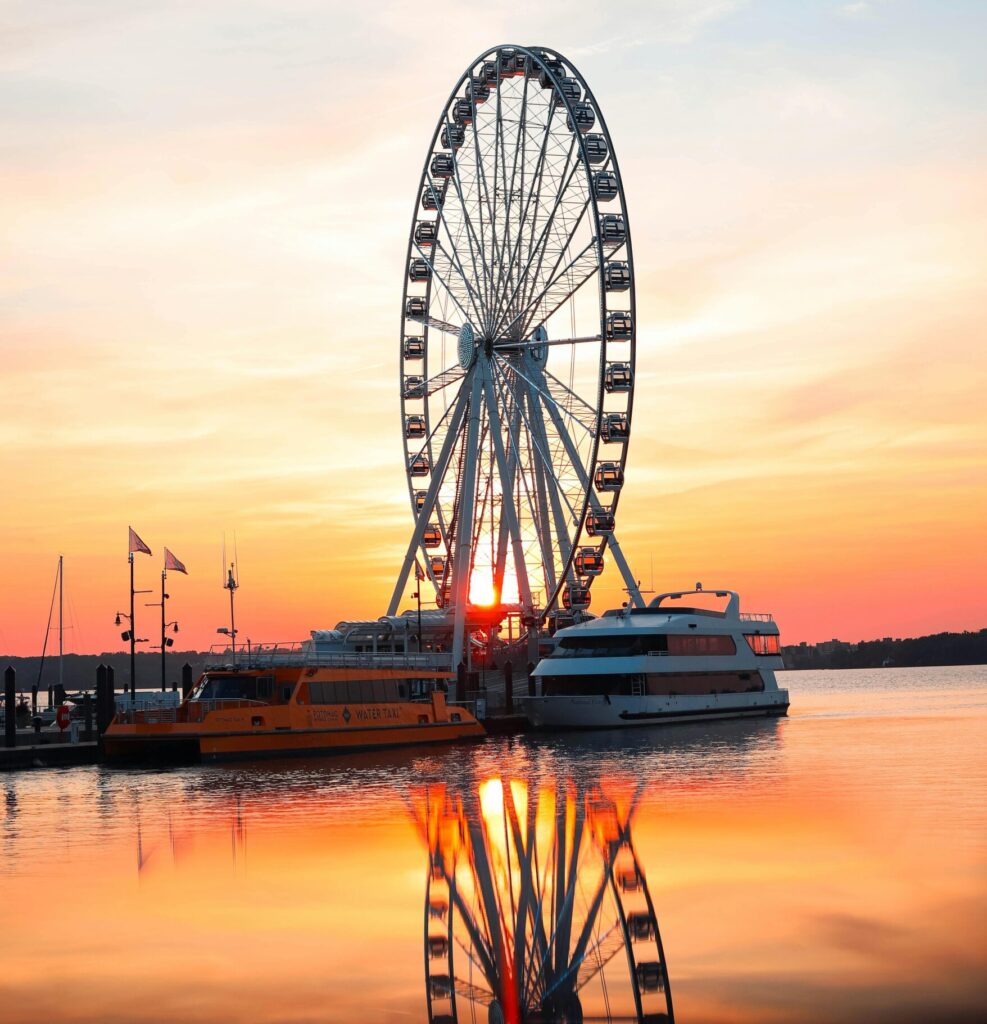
166 641
417 595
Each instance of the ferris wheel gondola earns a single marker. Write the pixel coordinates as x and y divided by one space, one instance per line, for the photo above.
518 340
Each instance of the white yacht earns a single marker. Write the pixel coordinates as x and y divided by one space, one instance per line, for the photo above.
667 662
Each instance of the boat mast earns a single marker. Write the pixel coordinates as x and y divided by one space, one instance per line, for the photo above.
231 585
61 585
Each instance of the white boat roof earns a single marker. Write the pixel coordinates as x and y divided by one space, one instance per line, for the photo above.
659 615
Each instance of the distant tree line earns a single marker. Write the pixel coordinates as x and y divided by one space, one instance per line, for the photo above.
80 670
936 649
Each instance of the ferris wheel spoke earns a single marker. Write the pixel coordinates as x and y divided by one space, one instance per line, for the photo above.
480 270
545 394
522 281
459 408
444 282
535 254
520 150
548 299
453 250
560 288
505 300
533 192
527 346
570 394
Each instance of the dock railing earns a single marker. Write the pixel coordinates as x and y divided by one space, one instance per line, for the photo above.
308 655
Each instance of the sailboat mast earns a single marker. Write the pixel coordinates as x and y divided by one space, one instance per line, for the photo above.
61 588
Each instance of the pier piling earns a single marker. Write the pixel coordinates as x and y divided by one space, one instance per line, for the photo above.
509 687
186 680
10 709
104 700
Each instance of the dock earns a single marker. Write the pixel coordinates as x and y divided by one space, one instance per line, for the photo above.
49 755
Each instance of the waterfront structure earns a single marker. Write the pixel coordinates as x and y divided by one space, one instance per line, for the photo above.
517 347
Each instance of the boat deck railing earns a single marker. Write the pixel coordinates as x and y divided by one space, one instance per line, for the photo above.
306 655
756 617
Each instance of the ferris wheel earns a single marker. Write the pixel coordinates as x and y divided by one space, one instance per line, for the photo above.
537 908
517 343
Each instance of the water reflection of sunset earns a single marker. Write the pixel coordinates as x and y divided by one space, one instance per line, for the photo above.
790 884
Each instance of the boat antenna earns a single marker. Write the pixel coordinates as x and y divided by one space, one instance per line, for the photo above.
232 584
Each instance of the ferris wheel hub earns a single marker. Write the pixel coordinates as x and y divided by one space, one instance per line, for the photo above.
467 346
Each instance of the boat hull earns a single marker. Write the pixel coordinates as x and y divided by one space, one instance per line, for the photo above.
625 712
135 743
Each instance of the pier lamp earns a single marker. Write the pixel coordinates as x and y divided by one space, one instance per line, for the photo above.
231 633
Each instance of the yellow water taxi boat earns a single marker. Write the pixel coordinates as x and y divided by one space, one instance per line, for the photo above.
296 709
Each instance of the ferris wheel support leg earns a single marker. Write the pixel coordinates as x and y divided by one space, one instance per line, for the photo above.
515 460
541 460
463 557
631 585
633 591
510 512
438 473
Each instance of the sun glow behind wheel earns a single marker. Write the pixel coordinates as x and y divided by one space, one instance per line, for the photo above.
517 338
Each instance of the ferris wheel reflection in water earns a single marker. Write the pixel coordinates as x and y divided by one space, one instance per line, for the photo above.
537 908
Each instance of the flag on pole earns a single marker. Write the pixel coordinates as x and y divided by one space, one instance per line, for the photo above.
171 562
419 572
136 544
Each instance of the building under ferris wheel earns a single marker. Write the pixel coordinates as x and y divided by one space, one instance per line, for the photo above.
517 349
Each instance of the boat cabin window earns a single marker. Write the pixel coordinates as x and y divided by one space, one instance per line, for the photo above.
224 686
686 645
360 691
675 645
760 643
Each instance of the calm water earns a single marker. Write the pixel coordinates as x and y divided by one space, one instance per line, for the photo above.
828 867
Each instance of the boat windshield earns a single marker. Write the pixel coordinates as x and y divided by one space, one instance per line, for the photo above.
214 686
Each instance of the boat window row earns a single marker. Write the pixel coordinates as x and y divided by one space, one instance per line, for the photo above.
359 691
671 644
764 643
662 684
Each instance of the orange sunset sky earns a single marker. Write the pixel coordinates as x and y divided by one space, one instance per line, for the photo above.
204 211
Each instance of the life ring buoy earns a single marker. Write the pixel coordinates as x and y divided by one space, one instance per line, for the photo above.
62 716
